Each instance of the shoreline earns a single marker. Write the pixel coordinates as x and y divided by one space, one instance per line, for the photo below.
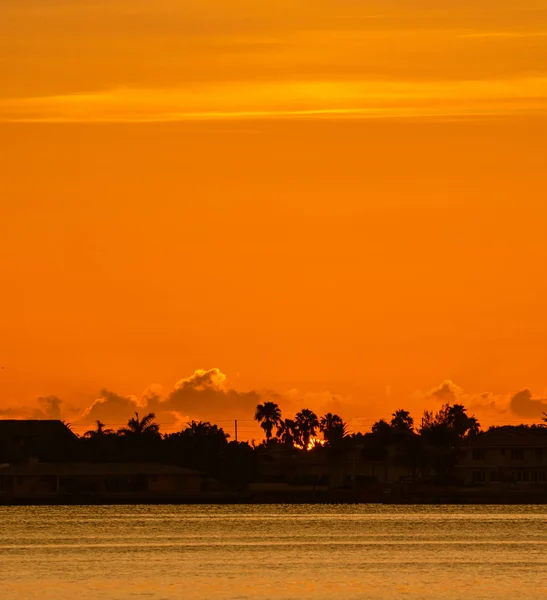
241 498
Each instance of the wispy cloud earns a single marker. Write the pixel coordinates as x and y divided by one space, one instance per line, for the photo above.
371 99
503 34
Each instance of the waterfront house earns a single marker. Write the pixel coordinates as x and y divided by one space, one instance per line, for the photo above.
45 440
99 479
514 456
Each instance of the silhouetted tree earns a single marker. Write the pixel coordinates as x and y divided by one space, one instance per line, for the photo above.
333 428
450 422
204 429
287 432
238 465
402 421
103 444
307 425
99 431
461 422
269 416
139 427
199 445
443 433
381 427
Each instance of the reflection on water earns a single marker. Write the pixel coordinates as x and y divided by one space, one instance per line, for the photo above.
257 552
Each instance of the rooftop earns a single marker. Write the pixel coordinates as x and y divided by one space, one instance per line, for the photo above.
510 437
34 428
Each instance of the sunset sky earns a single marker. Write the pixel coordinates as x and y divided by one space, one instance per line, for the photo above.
339 204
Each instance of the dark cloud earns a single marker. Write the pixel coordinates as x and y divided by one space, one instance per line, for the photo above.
111 408
50 407
11 413
488 402
523 405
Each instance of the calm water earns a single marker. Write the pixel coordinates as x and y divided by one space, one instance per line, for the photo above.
282 552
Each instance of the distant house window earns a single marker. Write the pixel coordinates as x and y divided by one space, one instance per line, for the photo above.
517 454
526 476
493 476
479 476
478 454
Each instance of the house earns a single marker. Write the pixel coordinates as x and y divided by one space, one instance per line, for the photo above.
46 440
95 479
505 455
353 467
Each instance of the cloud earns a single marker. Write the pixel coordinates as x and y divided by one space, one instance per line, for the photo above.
488 407
286 99
493 408
504 34
205 394
50 407
446 393
111 408
202 380
13 413
524 405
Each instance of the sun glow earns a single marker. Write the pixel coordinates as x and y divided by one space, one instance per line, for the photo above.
313 443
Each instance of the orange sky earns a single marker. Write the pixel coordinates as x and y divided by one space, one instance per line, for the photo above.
331 199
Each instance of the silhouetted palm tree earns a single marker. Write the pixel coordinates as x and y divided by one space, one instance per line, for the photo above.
204 429
462 424
381 427
452 419
402 421
144 426
333 428
307 425
287 432
269 416
100 431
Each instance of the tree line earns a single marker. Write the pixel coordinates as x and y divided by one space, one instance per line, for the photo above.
300 431
431 447
206 446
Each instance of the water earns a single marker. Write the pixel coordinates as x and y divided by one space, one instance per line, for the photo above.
282 552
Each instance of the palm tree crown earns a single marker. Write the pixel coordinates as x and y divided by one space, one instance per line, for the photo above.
402 421
307 424
333 428
144 426
100 431
287 432
269 416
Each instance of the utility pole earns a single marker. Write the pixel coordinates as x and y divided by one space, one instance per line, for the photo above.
235 427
